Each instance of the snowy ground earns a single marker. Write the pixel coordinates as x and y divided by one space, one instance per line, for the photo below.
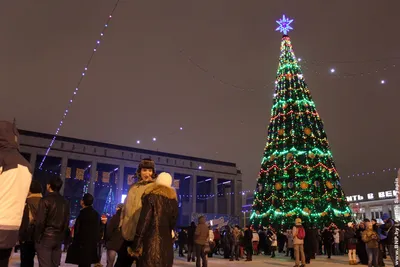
258 261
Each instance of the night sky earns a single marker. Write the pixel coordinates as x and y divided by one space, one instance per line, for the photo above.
141 86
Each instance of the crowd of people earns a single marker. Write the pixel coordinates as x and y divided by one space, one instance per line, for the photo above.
365 243
141 230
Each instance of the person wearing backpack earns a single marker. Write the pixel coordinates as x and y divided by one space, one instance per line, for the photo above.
298 243
27 229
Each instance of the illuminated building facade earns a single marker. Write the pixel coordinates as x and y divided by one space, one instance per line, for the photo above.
107 171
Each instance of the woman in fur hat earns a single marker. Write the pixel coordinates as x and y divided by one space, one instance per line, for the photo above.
153 240
131 211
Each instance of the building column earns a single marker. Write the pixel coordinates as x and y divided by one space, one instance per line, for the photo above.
229 199
238 196
193 181
215 192
93 170
32 161
120 184
63 170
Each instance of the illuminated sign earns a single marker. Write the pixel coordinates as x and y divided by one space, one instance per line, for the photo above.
371 196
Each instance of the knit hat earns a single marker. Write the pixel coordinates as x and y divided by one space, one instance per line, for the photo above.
297 221
385 216
164 179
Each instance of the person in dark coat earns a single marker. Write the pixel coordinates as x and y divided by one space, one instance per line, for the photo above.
310 243
190 241
327 239
87 230
248 244
113 236
263 240
307 244
182 241
351 241
360 247
51 221
153 240
26 231
388 230
228 242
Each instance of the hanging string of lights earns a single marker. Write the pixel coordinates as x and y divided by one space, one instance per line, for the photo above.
306 65
81 78
366 173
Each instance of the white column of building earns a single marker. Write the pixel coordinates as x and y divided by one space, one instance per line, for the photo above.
193 183
215 192
93 170
120 184
63 170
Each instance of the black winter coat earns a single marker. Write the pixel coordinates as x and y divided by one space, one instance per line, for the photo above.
87 233
113 236
52 217
157 220
248 237
27 229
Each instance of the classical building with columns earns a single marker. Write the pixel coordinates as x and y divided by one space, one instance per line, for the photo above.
107 171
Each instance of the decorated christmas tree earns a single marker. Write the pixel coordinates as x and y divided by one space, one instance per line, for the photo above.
109 207
298 177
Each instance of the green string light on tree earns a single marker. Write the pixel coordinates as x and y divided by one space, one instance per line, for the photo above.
298 177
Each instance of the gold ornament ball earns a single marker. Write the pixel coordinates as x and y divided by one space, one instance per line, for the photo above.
311 155
303 185
289 156
307 131
278 186
346 214
281 131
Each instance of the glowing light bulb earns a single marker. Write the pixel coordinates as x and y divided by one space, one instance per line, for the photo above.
383 81
200 167
181 128
332 70
154 139
138 142
299 59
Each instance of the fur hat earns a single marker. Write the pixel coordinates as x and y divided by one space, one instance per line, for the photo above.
297 221
146 164
164 179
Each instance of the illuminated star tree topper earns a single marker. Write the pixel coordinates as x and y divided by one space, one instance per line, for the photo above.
284 25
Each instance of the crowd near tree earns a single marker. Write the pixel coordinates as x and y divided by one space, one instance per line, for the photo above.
143 229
